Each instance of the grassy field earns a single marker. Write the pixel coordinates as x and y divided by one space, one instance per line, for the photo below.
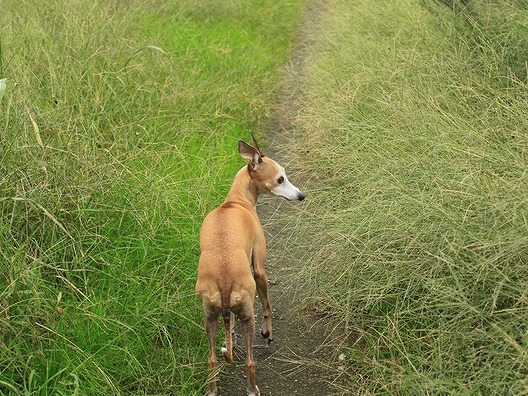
413 143
118 133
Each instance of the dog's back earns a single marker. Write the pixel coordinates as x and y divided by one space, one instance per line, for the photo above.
227 238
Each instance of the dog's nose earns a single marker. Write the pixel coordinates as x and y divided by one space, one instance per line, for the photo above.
300 197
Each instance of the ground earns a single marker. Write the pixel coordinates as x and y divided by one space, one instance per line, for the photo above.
304 356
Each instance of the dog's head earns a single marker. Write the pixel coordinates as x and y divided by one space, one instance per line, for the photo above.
269 176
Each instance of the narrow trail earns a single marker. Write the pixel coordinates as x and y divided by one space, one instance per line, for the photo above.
303 357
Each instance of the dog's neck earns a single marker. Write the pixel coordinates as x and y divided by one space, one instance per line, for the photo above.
243 190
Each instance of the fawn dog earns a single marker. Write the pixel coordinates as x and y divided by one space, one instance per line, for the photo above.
231 266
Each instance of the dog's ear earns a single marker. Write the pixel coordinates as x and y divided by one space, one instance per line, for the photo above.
255 144
250 153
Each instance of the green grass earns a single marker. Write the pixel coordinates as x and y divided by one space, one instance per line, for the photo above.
118 132
412 141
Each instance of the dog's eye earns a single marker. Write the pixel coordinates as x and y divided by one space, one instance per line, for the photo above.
280 180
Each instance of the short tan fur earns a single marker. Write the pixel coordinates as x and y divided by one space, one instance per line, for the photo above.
231 265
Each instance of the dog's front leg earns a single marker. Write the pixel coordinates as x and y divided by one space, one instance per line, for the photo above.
261 280
262 288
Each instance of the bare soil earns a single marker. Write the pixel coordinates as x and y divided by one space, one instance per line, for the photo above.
304 356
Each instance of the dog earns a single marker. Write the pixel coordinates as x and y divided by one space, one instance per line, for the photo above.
232 254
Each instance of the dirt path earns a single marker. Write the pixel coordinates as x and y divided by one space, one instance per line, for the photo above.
304 355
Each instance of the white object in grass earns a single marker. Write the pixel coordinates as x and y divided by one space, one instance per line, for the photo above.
341 358
2 86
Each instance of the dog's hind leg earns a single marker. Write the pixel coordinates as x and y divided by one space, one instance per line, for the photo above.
211 327
248 329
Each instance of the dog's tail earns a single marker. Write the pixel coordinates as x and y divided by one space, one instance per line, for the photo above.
227 349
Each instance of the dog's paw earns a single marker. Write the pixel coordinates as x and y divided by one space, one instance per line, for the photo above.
254 393
266 337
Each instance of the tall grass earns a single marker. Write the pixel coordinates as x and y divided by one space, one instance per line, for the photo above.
412 139
118 132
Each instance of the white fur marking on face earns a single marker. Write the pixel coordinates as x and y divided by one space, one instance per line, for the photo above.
284 189
275 182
